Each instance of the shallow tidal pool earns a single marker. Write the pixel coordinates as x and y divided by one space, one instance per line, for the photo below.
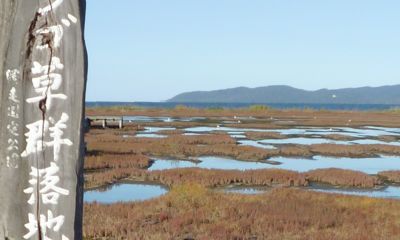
366 165
126 192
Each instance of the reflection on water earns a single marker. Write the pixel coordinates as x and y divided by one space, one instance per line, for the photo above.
303 141
392 192
255 144
150 135
386 129
161 119
227 129
192 134
125 193
367 165
157 129
364 132
310 141
371 141
208 163
246 190
347 131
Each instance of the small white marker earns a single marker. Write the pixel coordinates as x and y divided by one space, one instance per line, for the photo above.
65 22
72 18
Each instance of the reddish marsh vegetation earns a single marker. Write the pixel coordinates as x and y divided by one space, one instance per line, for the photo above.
192 212
109 161
176 146
275 117
369 150
343 178
124 157
221 144
264 135
391 176
217 178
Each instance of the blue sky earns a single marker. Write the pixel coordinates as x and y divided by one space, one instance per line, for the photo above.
151 50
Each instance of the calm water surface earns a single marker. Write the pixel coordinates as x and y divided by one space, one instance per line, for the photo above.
150 135
391 192
125 193
367 165
351 132
209 163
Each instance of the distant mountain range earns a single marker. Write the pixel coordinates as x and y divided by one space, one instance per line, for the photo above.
287 94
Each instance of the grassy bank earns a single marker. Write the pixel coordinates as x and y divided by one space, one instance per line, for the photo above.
193 212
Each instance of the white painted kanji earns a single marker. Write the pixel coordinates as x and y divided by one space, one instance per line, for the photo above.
12 160
12 145
47 223
34 142
12 124
12 75
12 128
12 96
48 131
56 134
45 87
50 7
54 65
13 111
49 191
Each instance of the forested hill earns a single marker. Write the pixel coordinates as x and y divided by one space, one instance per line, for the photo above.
287 94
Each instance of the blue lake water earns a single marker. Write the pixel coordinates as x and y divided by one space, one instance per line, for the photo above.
145 119
246 190
255 144
208 163
372 141
309 141
391 192
149 135
157 129
125 193
128 192
152 132
367 165
303 141
351 132
386 129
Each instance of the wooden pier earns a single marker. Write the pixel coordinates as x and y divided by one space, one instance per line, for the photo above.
106 121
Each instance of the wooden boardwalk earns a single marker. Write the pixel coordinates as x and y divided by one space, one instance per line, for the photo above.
106 121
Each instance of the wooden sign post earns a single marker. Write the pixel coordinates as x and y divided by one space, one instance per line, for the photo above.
42 87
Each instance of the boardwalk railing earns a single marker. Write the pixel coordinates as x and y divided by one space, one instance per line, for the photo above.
106 121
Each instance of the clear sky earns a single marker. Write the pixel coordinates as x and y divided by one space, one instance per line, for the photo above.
151 50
